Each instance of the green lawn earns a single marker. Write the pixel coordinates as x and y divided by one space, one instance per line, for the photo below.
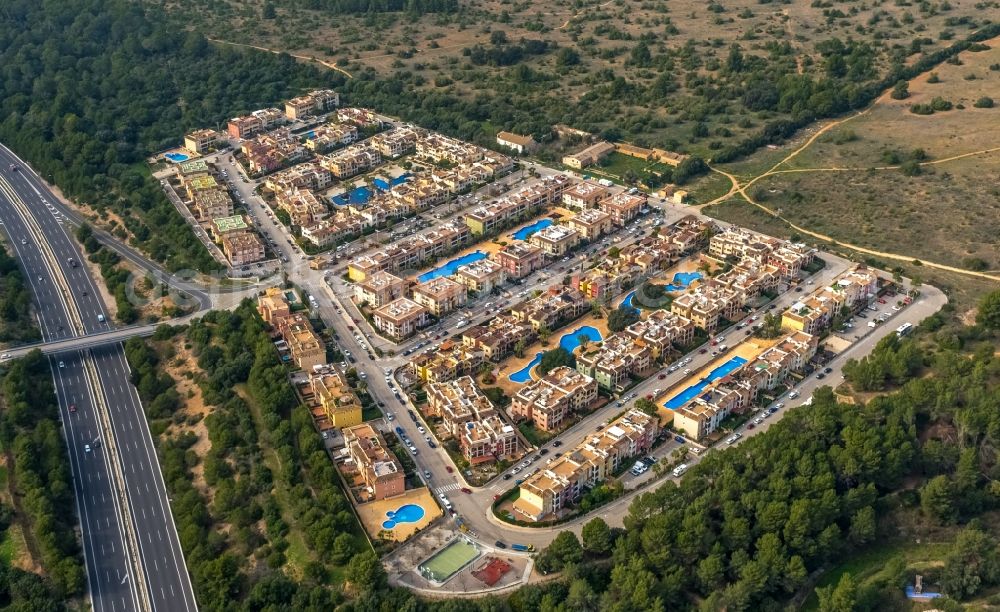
867 565
616 164
533 434
6 549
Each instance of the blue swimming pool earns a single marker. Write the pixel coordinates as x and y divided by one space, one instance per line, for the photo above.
681 280
723 370
384 185
358 195
452 266
177 157
409 513
569 341
525 232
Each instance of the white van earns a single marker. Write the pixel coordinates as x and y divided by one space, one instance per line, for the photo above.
680 469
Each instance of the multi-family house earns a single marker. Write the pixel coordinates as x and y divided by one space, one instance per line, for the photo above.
242 249
395 143
591 223
330 136
457 402
552 308
361 117
351 160
556 240
400 318
378 466
494 216
201 141
623 206
584 195
561 483
449 361
613 361
307 349
303 207
482 276
335 396
549 401
312 103
497 337
212 204
440 295
379 288
707 304
663 332
487 440
519 259
273 305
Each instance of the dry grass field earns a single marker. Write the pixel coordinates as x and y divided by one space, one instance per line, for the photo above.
848 183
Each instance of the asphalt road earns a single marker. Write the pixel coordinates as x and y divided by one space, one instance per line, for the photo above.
103 519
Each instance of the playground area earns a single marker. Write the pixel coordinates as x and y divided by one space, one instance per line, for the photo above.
492 570
449 560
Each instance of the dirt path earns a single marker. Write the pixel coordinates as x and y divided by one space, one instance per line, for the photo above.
330 65
741 189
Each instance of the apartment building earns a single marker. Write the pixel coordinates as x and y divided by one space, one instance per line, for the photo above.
663 332
451 360
400 318
194 184
589 156
623 206
307 349
516 142
701 415
440 295
457 402
549 401
395 143
614 361
331 231
482 276
739 244
273 305
438 148
244 127
608 279
552 308
335 396
303 207
591 223
494 216
351 160
497 337
330 136
313 103
561 483
411 251
242 249
689 233
378 466
584 195
379 289
556 240
750 279
488 440
858 287
270 151
707 304
419 194
201 141
212 204
651 254
192 168
519 259
309 175
234 224
361 117
813 313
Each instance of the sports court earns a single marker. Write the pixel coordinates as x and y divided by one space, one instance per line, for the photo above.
491 571
449 560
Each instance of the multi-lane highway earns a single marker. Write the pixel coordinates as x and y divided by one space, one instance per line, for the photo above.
134 559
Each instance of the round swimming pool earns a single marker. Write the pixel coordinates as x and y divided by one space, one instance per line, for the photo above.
408 513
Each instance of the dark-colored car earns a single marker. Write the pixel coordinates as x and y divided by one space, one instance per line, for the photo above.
507 476
467 490
544 451
679 439
557 443
827 370
450 469
499 544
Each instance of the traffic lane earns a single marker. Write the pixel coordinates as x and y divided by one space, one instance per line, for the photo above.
169 585
32 181
107 564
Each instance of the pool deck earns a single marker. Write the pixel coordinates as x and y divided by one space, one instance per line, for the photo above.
373 513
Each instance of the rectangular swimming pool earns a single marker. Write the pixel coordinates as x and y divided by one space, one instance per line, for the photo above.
687 394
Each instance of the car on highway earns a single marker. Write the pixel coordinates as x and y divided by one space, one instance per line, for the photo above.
86 448
72 407
62 364
557 443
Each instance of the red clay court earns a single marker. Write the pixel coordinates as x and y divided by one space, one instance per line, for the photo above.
490 572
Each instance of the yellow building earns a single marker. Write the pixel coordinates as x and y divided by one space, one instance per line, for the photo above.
336 398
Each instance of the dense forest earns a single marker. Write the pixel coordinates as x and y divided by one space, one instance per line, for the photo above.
17 324
36 460
90 88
